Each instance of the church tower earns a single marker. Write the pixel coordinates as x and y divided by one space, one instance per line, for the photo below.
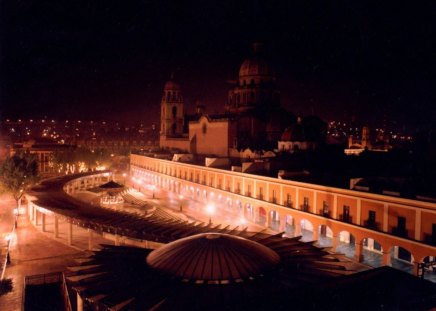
171 120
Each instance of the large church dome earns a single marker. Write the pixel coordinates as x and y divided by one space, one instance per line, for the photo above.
213 257
255 67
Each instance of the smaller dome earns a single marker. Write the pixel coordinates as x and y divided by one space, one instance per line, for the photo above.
171 86
256 65
213 257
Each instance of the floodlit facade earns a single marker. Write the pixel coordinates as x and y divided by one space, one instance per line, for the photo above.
393 227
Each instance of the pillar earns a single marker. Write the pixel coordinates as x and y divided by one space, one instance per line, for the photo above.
297 229
43 222
386 258
117 240
89 239
268 219
282 223
36 217
70 233
335 240
358 252
416 268
79 302
56 227
315 233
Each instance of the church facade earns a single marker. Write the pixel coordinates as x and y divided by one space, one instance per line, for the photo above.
252 117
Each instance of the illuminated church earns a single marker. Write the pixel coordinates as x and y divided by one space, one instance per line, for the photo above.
252 118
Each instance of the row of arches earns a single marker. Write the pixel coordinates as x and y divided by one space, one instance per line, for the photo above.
364 248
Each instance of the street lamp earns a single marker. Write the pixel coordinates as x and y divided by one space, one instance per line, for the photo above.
153 188
210 209
181 203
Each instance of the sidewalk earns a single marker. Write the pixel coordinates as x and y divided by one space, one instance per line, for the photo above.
32 252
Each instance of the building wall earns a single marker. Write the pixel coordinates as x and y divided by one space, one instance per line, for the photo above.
179 143
210 137
420 216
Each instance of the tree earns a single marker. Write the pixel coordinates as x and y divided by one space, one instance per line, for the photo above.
18 173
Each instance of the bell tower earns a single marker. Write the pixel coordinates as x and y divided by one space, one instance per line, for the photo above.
171 115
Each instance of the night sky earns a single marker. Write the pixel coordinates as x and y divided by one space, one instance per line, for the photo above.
110 59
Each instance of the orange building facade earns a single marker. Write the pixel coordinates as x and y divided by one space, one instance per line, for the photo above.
379 223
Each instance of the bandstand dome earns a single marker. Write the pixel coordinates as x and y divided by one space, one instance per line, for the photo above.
213 257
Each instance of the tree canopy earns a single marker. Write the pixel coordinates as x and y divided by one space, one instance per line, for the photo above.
18 173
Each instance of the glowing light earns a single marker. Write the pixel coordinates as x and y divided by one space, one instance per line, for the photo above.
210 209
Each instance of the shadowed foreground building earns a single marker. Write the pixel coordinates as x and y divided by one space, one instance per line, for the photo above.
213 271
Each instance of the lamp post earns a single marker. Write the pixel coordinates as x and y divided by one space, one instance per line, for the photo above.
210 209
181 203
153 188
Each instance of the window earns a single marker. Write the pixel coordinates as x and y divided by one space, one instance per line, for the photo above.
346 213
371 217
401 223
305 204
288 200
325 208
174 110
260 193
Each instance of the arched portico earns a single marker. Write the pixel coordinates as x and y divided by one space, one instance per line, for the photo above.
262 216
306 230
274 220
402 259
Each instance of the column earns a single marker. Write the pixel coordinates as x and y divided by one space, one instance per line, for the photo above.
56 227
418 225
297 229
359 211
281 196
79 303
89 239
70 233
268 218
314 202
36 217
335 240
386 258
416 268
335 206
358 255
43 222
315 234
282 223
385 217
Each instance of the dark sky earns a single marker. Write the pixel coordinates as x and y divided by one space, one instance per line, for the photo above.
110 59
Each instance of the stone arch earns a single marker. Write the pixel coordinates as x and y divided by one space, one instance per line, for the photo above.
306 230
274 220
429 270
370 251
401 258
262 216
249 211
345 244
325 235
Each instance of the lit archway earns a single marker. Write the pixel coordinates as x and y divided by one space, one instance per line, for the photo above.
262 216
402 259
274 222
429 268
372 252
306 230
325 236
346 244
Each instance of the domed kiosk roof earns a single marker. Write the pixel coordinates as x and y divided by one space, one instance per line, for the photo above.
213 257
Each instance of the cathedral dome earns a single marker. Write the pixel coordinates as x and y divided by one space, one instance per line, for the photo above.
213 257
256 65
